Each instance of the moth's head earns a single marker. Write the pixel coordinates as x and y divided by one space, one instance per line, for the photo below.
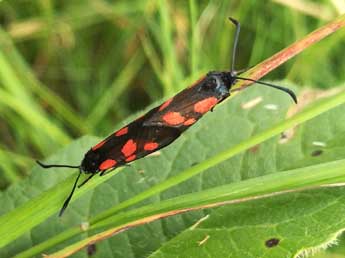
91 162
229 78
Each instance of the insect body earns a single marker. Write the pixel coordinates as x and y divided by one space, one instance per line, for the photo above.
161 125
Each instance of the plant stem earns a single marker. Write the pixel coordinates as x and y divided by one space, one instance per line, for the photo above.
287 53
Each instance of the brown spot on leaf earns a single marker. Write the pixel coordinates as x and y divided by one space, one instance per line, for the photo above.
272 242
287 135
255 148
91 249
316 153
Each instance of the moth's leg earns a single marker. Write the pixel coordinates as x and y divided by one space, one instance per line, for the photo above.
105 172
85 181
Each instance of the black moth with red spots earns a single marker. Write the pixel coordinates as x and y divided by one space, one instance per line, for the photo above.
161 125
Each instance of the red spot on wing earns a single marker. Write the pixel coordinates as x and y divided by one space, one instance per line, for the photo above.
131 158
173 118
150 146
109 163
205 105
122 131
165 104
190 121
129 148
98 145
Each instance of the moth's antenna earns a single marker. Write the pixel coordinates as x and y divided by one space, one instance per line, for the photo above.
55 165
286 90
234 47
74 186
233 58
65 204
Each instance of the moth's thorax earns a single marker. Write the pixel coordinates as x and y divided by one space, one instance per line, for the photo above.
91 162
219 83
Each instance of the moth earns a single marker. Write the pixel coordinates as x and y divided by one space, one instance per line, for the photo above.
163 124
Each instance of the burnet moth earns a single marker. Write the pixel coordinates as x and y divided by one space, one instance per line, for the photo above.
161 125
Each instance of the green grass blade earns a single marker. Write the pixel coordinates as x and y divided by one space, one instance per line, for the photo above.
62 108
119 85
265 186
44 205
194 41
37 120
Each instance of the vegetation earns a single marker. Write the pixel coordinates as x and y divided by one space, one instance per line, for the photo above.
75 68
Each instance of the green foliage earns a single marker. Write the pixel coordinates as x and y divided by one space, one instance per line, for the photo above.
228 126
297 221
71 68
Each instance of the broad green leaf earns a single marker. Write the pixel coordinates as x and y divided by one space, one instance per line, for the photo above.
251 189
283 226
227 126
304 222
41 181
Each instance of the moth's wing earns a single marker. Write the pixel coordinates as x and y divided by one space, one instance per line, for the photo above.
132 142
142 142
184 109
159 127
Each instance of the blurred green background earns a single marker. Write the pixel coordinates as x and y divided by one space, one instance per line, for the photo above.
71 68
